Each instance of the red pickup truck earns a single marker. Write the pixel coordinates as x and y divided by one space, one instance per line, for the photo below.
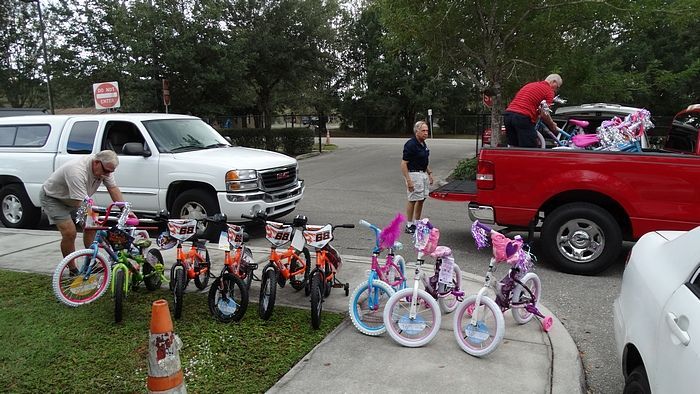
585 203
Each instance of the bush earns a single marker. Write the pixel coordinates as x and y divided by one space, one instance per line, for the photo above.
466 169
292 141
296 141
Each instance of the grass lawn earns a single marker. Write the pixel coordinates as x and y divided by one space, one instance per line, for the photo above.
49 347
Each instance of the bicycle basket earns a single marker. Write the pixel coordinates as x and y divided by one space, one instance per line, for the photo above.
119 239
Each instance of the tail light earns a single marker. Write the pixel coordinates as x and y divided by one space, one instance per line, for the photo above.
485 175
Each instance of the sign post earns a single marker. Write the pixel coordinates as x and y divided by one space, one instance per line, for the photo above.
106 95
430 121
166 94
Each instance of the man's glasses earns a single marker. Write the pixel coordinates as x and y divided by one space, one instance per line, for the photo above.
106 171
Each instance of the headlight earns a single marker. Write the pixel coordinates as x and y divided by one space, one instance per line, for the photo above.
241 180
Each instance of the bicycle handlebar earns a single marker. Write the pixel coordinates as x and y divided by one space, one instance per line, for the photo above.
344 226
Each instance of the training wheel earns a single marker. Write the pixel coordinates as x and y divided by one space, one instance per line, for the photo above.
547 323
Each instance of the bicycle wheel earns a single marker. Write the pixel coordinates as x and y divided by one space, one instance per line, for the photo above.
228 298
153 269
248 273
298 284
316 299
119 279
520 295
89 285
201 279
483 338
366 307
178 288
407 331
268 292
449 302
328 284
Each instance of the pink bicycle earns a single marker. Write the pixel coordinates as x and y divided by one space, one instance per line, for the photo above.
478 323
369 297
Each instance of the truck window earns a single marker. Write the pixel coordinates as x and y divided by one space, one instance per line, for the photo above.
683 134
24 135
119 133
82 137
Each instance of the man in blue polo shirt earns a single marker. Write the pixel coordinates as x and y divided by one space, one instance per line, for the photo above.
414 166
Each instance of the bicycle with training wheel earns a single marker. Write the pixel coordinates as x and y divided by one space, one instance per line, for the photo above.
193 264
323 277
230 291
366 306
412 316
95 270
291 265
479 325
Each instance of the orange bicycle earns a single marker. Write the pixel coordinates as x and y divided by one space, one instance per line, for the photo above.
194 264
322 278
228 294
291 264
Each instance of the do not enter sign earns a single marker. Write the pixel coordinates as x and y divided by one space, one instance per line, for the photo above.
106 95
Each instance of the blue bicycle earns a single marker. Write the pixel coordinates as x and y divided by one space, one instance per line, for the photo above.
367 302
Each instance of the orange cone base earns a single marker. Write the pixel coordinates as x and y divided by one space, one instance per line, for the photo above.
167 384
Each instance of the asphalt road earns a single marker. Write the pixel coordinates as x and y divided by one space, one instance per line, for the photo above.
362 180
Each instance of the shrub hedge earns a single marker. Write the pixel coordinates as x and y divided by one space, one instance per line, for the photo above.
290 141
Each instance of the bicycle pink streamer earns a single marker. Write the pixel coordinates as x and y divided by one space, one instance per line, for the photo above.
391 233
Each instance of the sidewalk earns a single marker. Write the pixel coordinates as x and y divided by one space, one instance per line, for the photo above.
529 360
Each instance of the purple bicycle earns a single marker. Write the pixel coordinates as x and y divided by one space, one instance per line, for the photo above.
478 323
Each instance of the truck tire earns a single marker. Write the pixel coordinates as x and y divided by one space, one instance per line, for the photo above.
197 204
16 209
581 238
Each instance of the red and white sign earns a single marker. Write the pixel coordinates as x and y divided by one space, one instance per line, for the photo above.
106 95
488 100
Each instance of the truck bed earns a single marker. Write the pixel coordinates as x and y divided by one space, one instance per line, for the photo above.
457 190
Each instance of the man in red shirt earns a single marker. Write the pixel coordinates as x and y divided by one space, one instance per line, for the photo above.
521 115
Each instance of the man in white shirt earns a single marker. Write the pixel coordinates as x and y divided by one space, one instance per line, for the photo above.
66 188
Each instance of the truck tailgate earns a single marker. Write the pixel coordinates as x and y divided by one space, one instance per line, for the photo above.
457 190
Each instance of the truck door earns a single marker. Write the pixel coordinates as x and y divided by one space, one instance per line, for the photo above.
136 176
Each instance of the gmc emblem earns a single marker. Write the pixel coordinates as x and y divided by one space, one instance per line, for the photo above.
283 175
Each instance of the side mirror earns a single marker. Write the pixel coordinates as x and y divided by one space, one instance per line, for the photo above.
135 149
228 138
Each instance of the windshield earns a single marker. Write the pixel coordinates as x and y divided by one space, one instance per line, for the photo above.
183 135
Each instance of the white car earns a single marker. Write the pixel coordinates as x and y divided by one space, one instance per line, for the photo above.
657 314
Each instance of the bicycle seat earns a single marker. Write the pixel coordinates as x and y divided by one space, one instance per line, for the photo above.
579 123
441 251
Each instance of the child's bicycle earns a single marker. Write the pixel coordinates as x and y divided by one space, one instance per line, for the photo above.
95 270
322 278
229 293
292 264
478 323
367 302
412 315
195 264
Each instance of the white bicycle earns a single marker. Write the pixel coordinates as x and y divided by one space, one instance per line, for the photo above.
412 316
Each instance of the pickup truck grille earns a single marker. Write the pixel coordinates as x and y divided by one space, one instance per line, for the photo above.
279 178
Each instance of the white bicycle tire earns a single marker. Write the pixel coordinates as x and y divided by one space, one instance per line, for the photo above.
499 322
56 279
391 310
515 297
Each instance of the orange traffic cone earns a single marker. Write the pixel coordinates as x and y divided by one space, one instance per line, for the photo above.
164 370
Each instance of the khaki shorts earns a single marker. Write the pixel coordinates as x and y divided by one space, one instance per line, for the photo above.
420 186
55 209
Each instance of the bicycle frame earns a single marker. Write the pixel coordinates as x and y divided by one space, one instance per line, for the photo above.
190 259
282 261
236 239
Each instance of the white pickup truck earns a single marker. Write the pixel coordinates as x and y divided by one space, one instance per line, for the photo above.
172 162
